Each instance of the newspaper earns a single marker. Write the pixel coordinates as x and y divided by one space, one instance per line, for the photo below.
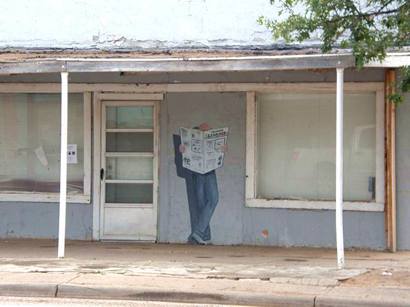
204 150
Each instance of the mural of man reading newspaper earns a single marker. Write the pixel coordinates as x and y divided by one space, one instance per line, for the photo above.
203 151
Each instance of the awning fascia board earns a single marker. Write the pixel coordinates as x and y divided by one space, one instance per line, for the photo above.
256 63
202 64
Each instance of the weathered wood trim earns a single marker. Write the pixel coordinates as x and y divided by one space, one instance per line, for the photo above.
102 157
156 164
250 145
96 164
123 130
42 197
252 63
195 64
129 154
128 181
315 87
390 137
380 147
131 96
128 102
34 67
314 205
87 142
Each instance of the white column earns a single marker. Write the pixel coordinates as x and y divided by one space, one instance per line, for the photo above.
63 165
339 169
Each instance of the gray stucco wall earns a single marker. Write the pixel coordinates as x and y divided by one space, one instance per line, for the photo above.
40 220
312 228
403 173
233 223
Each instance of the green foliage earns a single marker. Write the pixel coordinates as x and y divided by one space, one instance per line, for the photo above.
402 86
368 27
405 82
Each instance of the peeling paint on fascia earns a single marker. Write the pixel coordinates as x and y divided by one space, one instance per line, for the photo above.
160 50
112 43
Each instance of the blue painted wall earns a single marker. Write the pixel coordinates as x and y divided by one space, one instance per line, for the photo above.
40 220
403 173
233 223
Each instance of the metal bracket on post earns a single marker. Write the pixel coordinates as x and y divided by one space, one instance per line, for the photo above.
63 162
339 168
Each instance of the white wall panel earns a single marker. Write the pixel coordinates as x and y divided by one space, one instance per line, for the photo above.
133 23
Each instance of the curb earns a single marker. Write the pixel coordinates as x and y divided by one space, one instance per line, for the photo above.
348 302
354 296
145 294
141 294
33 290
226 297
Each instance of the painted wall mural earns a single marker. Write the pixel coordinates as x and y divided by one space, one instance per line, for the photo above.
200 145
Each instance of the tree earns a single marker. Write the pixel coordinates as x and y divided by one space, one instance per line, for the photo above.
369 28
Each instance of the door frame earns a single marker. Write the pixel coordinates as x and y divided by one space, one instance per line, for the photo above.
98 98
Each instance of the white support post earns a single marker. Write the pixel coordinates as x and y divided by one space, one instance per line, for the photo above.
63 165
339 169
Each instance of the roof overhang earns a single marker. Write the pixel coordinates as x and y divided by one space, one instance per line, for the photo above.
194 64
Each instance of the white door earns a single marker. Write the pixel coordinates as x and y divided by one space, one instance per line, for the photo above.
129 164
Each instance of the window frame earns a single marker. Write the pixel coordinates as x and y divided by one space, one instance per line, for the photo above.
252 147
53 197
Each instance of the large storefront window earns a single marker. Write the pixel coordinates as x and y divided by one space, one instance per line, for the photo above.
297 141
294 148
30 143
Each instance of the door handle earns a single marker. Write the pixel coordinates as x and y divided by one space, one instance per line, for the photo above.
102 174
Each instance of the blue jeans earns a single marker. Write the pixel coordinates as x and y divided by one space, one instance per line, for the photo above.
206 191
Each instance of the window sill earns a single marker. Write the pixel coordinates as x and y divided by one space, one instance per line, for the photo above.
43 198
314 205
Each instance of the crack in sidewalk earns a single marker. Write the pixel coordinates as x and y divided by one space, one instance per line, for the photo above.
67 281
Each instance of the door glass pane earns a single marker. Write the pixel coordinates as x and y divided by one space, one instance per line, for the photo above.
130 142
129 117
296 146
128 193
129 168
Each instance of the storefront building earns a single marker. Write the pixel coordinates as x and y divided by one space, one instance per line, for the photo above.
277 185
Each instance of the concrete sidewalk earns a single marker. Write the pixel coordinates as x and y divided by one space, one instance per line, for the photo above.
204 274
